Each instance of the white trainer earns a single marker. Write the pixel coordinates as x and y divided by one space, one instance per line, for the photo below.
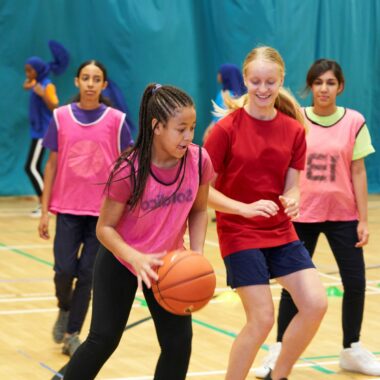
358 359
36 213
269 361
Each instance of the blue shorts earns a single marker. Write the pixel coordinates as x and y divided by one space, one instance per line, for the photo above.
257 266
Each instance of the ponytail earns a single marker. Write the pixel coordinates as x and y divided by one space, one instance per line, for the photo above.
287 104
232 104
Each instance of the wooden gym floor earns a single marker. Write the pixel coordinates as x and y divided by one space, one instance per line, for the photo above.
28 311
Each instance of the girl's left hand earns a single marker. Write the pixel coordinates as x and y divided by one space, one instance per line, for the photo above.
363 234
291 207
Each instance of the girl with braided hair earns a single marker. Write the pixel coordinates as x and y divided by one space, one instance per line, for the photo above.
154 191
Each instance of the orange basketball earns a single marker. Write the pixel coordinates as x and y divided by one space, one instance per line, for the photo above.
186 282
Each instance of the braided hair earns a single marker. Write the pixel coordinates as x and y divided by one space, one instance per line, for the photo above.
159 103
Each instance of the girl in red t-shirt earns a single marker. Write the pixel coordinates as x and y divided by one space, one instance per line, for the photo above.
257 152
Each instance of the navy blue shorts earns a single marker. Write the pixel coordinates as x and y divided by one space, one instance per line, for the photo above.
258 265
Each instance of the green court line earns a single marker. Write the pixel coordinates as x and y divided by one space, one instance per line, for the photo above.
197 321
214 328
264 346
28 255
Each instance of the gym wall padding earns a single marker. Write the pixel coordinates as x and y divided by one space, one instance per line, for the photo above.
183 42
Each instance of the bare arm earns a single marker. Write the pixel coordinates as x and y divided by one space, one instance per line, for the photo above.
48 95
198 219
220 202
49 178
291 194
143 264
359 181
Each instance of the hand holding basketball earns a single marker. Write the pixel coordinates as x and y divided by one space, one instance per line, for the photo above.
186 282
145 265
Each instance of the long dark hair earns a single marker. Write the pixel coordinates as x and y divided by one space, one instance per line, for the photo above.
102 99
318 68
160 103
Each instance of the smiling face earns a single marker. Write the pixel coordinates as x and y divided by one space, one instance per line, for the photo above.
90 83
263 80
325 89
172 139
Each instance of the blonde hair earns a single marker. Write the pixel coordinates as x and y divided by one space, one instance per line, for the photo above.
285 101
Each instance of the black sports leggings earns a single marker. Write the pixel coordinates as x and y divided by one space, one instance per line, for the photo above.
114 291
33 165
341 237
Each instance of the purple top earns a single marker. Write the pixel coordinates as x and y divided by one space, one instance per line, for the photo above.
85 117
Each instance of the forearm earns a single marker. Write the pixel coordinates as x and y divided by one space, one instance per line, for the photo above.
220 202
197 229
292 192
359 181
291 187
49 178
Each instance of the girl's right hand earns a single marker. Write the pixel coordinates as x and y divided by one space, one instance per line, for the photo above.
262 207
144 266
29 84
43 227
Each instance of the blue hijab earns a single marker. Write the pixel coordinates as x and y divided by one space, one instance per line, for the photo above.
232 79
39 114
57 66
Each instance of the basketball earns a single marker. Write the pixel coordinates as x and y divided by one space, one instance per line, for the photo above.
186 282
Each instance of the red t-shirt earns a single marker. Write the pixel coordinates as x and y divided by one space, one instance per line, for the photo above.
251 158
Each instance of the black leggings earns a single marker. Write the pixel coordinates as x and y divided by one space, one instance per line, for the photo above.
341 237
33 165
114 292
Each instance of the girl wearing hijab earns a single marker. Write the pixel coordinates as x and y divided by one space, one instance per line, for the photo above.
43 99
231 79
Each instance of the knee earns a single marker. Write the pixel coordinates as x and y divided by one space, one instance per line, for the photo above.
85 278
267 323
63 277
64 268
317 308
354 287
262 321
105 342
178 345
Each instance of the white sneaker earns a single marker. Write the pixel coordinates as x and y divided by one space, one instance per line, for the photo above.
269 361
36 213
358 359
